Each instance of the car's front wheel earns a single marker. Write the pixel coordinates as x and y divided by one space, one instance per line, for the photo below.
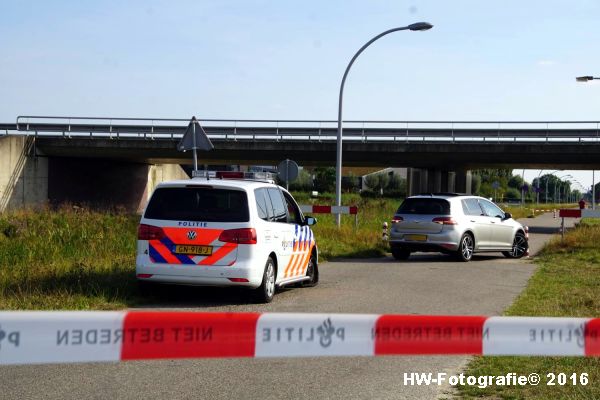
466 248
265 292
519 247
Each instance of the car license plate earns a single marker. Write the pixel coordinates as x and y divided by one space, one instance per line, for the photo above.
192 249
416 238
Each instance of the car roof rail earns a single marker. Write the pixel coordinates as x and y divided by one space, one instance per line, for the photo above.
442 194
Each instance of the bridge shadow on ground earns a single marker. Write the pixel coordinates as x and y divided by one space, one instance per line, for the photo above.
420 258
544 230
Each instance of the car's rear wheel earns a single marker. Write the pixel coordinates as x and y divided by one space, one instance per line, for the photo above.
400 254
265 292
519 248
312 272
466 248
145 288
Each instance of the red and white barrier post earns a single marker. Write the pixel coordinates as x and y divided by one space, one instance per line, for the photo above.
317 209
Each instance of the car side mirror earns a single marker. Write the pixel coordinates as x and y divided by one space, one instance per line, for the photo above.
310 221
507 215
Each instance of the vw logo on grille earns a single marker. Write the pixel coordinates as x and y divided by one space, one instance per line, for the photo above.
191 235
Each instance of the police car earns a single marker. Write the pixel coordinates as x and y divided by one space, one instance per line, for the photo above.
226 230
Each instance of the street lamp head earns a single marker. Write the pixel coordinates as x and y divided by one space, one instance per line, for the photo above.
420 26
584 78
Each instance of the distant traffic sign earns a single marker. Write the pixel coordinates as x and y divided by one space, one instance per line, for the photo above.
287 170
195 139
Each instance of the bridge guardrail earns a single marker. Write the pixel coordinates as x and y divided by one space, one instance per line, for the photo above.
310 130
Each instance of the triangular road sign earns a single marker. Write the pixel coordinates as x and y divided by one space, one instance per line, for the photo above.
195 138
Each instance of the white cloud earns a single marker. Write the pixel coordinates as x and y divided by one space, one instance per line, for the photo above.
546 63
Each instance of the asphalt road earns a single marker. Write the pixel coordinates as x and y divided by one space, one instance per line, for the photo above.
425 284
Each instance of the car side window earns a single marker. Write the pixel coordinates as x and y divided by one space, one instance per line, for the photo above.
471 207
490 209
294 214
279 208
263 204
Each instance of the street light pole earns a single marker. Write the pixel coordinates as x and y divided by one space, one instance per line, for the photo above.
419 26
537 188
585 79
547 175
593 190
560 183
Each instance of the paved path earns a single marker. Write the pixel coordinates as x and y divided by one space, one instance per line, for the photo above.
425 284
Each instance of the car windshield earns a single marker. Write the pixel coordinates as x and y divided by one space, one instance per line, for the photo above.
424 206
198 204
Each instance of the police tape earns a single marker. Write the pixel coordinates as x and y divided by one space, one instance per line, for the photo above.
34 337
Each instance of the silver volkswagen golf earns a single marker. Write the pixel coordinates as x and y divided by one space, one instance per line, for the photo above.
455 224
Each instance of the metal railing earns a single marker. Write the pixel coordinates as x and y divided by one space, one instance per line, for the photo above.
308 130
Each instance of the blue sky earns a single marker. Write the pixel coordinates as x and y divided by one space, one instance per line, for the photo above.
483 60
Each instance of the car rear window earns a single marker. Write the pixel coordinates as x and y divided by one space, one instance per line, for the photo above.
198 204
424 206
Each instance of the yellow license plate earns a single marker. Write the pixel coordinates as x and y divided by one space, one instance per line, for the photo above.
192 249
416 238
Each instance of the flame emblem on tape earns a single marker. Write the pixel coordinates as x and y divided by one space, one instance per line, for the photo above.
326 331
580 335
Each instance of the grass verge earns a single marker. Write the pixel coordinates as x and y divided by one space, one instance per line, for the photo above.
67 259
79 259
566 284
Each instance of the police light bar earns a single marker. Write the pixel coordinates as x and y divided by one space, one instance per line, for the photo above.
262 176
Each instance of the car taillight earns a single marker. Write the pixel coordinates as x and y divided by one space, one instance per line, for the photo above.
240 236
445 221
149 232
238 279
397 219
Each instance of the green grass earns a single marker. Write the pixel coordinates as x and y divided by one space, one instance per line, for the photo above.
67 259
566 284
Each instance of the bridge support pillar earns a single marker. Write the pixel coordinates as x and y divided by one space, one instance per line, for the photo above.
436 181
463 181
416 181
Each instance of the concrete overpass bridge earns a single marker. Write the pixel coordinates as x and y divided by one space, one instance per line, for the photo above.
439 154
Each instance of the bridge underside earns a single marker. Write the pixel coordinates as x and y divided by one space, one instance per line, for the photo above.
124 171
446 156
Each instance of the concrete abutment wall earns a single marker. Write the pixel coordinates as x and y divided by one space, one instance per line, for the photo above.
23 178
34 181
